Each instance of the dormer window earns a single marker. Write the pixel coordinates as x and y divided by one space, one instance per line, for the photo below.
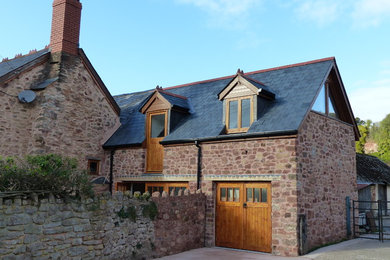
163 110
240 98
239 114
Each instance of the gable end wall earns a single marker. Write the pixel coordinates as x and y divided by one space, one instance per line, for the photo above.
326 176
70 117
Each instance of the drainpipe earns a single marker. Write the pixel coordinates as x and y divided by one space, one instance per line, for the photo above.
199 172
111 168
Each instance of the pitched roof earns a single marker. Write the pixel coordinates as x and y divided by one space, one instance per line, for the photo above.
10 67
295 88
371 170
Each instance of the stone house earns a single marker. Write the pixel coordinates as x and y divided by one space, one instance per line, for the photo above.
72 112
274 149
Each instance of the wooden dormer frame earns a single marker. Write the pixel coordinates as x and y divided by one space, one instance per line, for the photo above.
166 105
238 80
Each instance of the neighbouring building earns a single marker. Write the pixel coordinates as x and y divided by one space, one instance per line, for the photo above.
373 182
274 149
72 112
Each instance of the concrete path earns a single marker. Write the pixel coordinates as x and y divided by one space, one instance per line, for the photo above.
216 253
355 249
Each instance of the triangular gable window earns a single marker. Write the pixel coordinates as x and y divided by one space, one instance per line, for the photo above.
319 105
324 102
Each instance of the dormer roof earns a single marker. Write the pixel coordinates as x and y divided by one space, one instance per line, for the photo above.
251 85
168 101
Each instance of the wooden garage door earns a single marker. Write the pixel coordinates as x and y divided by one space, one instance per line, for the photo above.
243 218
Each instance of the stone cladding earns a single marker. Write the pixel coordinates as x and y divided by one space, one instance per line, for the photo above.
129 162
326 176
180 159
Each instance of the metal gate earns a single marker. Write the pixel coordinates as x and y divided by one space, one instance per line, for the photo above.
371 220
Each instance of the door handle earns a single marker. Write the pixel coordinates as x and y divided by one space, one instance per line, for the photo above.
244 205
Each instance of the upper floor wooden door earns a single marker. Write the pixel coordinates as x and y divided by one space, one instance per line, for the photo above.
243 218
156 130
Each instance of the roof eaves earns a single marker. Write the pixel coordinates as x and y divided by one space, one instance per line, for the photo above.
232 137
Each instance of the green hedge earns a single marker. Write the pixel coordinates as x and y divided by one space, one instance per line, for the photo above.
50 172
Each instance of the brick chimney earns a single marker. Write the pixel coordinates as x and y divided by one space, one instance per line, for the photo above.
65 26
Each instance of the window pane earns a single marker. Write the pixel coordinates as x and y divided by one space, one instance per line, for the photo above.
332 111
233 117
158 126
263 195
249 195
319 105
223 194
230 194
257 194
150 189
245 112
160 189
236 194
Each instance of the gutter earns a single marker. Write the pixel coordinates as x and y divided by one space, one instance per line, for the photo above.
199 171
231 137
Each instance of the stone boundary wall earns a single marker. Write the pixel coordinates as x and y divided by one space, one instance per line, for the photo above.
100 228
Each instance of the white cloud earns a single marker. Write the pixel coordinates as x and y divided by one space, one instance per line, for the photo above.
368 13
322 12
230 14
373 101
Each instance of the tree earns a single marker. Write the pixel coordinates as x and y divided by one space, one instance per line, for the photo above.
384 139
363 129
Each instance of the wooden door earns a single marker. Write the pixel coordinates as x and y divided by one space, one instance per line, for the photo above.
243 217
156 130
229 219
257 217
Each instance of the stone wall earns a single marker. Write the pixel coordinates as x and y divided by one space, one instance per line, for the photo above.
180 159
70 117
50 228
326 176
180 224
129 162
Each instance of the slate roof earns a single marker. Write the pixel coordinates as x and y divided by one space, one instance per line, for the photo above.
14 64
371 170
175 100
295 88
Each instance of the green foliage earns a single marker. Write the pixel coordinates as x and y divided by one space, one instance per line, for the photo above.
363 129
150 210
130 213
50 172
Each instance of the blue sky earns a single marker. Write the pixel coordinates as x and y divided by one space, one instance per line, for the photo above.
136 45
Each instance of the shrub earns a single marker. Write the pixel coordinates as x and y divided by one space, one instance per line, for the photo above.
51 172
